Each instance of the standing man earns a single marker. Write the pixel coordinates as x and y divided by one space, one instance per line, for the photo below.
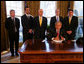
40 25
70 25
56 18
12 24
27 23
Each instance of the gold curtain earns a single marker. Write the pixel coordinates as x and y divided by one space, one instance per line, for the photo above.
62 5
72 4
34 7
4 35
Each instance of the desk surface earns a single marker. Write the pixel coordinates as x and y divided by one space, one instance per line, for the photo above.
36 46
37 51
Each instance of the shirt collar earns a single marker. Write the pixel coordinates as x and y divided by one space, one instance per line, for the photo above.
71 16
28 15
56 31
13 18
40 16
57 16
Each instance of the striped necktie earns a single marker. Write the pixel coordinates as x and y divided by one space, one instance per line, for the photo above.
14 24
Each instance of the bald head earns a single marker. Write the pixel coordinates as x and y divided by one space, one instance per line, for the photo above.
40 12
57 12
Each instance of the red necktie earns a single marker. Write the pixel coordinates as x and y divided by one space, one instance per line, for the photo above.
57 33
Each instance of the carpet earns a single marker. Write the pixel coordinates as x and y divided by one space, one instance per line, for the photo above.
6 58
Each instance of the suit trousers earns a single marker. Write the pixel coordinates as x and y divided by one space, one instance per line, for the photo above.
14 41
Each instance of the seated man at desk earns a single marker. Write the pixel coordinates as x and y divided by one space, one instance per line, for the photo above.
57 33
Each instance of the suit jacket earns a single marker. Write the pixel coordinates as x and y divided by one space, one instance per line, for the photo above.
27 23
9 25
53 33
39 32
72 26
53 20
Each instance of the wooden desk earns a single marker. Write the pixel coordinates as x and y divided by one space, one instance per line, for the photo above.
36 51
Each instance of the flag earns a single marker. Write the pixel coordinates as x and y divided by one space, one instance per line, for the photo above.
68 6
25 4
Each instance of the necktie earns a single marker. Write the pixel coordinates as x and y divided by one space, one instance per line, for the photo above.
13 21
57 33
69 20
57 19
40 21
14 25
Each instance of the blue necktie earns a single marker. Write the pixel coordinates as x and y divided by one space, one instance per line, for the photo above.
57 19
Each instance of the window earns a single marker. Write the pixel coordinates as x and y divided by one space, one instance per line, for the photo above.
48 9
78 8
78 11
18 7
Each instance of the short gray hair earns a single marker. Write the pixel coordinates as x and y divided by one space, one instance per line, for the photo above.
12 10
58 22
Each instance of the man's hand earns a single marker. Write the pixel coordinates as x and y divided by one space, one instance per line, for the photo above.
62 38
30 30
56 38
69 32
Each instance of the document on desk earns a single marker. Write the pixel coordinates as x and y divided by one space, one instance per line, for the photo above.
57 41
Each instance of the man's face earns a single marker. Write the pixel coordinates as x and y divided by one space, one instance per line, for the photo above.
40 12
70 13
27 10
12 13
57 12
58 26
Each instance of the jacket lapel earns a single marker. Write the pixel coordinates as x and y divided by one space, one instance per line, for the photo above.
42 22
26 16
71 19
38 21
55 18
68 21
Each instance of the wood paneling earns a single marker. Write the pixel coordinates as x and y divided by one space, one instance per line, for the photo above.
34 7
62 5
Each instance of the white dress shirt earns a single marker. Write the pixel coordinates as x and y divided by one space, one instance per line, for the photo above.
28 15
40 17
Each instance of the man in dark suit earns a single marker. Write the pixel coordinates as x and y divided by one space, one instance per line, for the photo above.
58 33
12 24
55 19
27 23
40 25
70 25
